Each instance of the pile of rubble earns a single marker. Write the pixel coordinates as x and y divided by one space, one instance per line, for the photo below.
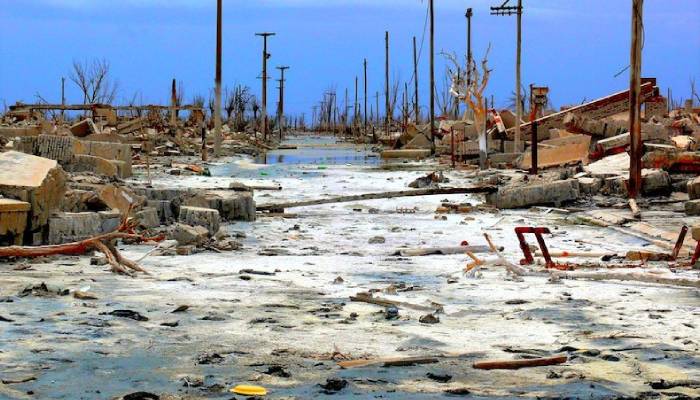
64 183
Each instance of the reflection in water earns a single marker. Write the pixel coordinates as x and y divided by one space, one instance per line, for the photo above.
316 152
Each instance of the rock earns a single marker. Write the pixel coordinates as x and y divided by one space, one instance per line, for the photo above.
556 192
38 181
184 250
73 227
391 312
429 319
442 378
694 188
198 216
377 240
188 235
277 370
84 295
695 232
692 207
130 314
333 385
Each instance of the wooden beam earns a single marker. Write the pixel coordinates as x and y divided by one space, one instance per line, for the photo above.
373 196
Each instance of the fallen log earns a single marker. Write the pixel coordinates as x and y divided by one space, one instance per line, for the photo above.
366 298
644 277
517 364
372 196
102 243
388 362
428 251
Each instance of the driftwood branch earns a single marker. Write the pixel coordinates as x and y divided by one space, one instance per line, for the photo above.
102 243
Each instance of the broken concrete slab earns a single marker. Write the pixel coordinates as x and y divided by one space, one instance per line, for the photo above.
163 209
559 152
200 216
590 185
13 221
190 235
84 128
120 198
656 182
147 218
72 227
38 181
556 193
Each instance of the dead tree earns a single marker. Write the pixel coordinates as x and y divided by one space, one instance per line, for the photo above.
473 95
92 78
103 243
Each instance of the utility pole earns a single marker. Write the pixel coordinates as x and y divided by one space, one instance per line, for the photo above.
388 117
63 97
347 110
365 116
265 56
503 9
635 181
355 109
469 46
416 110
432 78
173 104
282 68
217 87
376 117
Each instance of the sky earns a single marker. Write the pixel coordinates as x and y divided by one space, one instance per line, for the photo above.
576 47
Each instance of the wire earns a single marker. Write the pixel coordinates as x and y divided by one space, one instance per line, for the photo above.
422 41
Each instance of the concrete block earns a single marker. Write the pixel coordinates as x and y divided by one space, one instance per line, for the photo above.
97 165
199 216
38 181
120 198
72 227
232 206
163 209
83 128
692 207
13 221
148 218
656 182
556 192
190 235
694 188
590 186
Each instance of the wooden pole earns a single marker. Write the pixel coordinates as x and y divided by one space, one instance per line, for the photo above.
365 116
217 87
416 110
173 104
432 78
265 56
518 95
635 181
63 97
356 108
387 117
281 110
469 50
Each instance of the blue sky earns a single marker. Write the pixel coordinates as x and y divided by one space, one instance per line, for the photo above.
573 46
